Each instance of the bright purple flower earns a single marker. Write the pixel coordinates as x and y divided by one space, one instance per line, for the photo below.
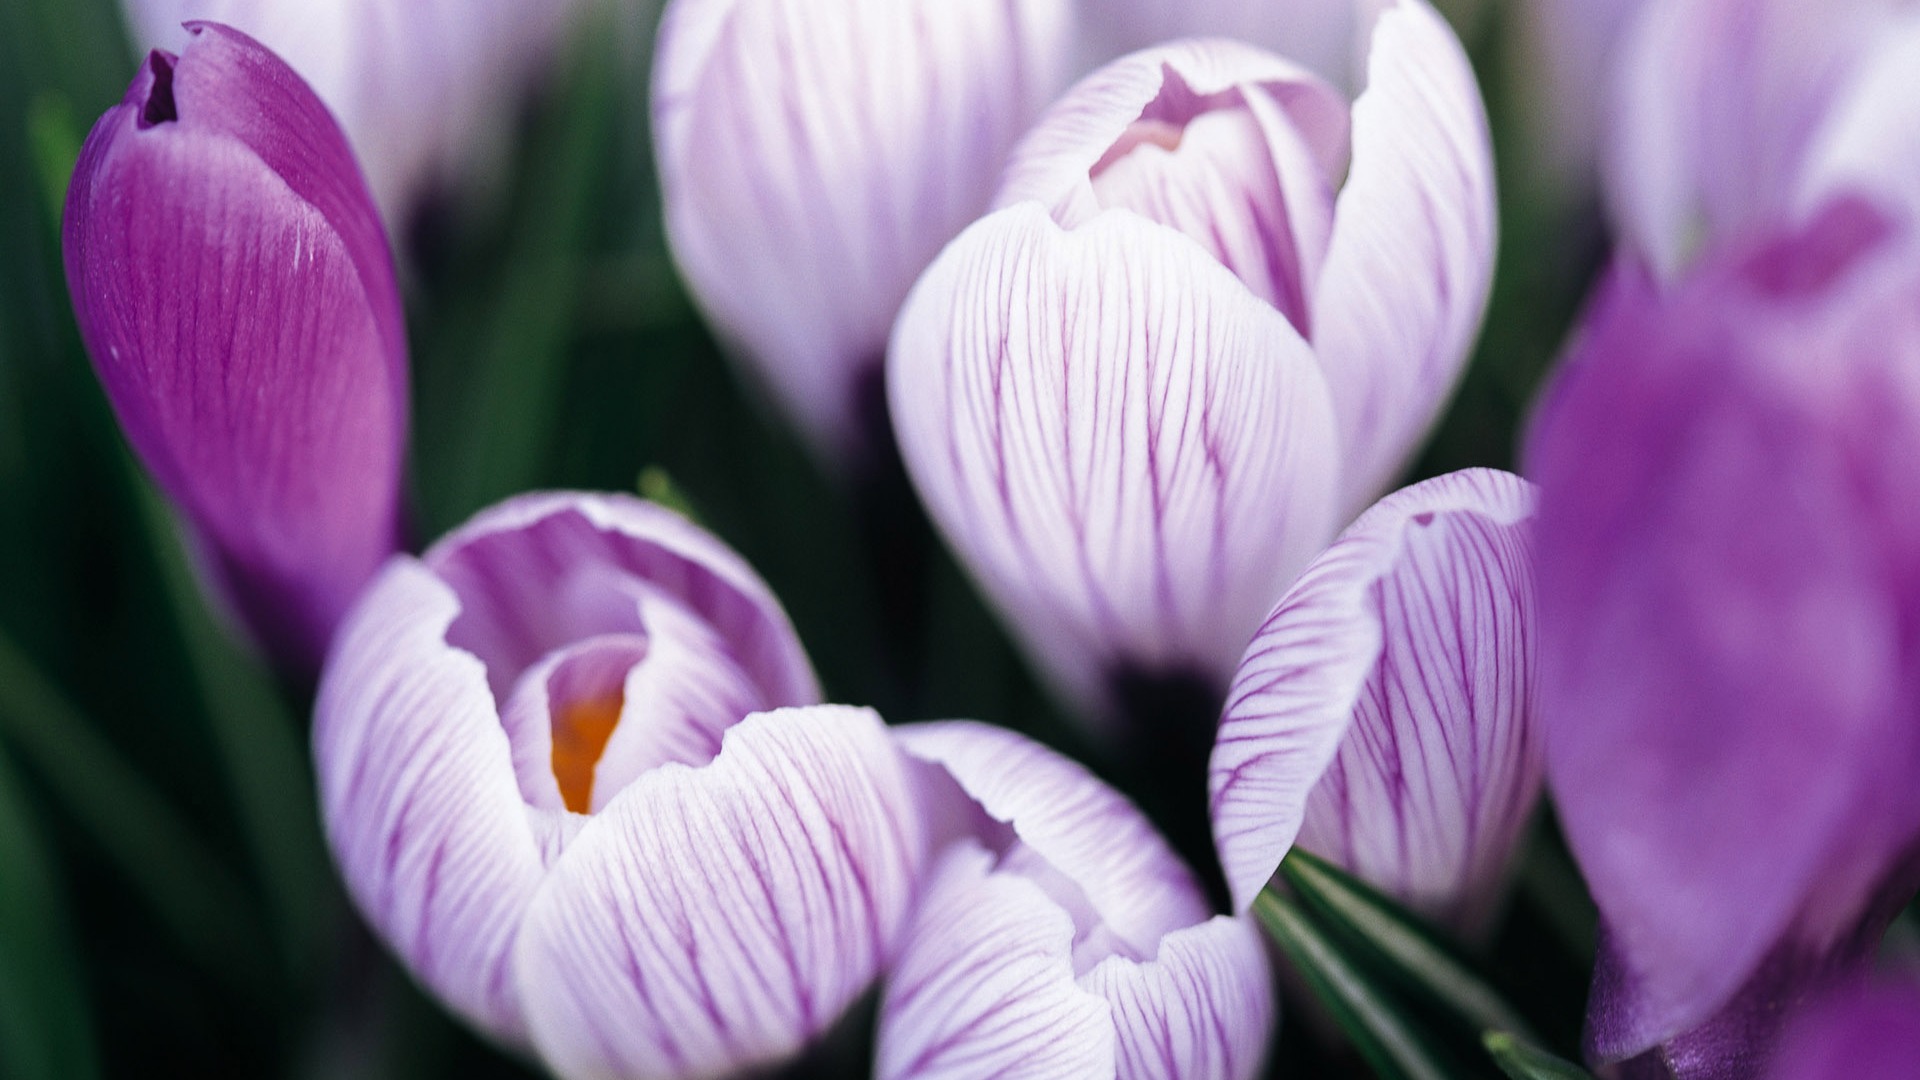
235 291
1729 551
423 88
1139 397
1734 118
1057 935
572 773
1385 715
815 156
1865 1031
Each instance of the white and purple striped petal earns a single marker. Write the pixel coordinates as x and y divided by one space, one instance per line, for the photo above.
612 790
1384 715
422 88
1060 936
1131 452
716 919
815 157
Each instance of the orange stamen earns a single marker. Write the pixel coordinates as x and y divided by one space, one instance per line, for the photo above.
580 733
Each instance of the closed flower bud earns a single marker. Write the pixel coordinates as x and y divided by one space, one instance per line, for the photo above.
813 159
235 290
1385 715
1217 310
423 88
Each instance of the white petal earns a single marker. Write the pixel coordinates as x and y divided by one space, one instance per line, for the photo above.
814 158
417 791
1304 685
1202 1010
1130 452
984 985
717 919
1870 140
1406 279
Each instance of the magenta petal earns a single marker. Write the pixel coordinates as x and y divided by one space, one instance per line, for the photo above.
716 919
418 794
815 157
1130 451
1383 715
233 286
1868 1031
1406 278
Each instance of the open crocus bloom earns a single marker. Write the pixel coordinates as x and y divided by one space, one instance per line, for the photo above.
1384 716
420 87
1732 118
572 774
1730 629
1057 935
1216 311
815 156
232 284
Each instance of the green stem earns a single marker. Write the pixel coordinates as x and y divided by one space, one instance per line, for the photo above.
46 1031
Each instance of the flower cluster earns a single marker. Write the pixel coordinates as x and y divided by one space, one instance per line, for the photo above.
1155 335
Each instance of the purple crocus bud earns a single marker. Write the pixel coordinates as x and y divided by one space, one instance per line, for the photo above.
423 88
1139 397
1729 551
1734 118
234 288
1869 1030
572 773
1057 935
815 156
1384 716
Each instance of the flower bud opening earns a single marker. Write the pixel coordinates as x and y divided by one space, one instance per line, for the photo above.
580 733
159 107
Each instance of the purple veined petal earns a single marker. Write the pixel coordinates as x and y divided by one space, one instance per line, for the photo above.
1078 945
1870 139
1716 106
1236 149
1203 1008
985 984
1406 278
1864 1031
421 89
539 571
1383 714
233 286
1129 451
417 791
1318 34
814 159
715 919
1725 563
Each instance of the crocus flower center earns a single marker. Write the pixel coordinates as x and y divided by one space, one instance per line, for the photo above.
1208 167
580 733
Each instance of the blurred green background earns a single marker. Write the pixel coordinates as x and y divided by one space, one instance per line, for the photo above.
165 900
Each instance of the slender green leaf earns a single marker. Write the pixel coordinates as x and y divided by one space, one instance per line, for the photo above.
194 895
260 750
46 1031
1406 945
657 485
56 135
1385 1036
1522 1060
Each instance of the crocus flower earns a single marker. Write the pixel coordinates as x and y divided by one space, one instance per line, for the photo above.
814 156
1385 715
572 773
1140 396
235 291
1729 551
421 87
1869 1030
1734 118
1057 935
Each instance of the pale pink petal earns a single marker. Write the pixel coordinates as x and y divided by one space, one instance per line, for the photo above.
1379 611
1202 1010
418 794
1131 453
814 158
1870 139
985 984
1406 279
716 919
